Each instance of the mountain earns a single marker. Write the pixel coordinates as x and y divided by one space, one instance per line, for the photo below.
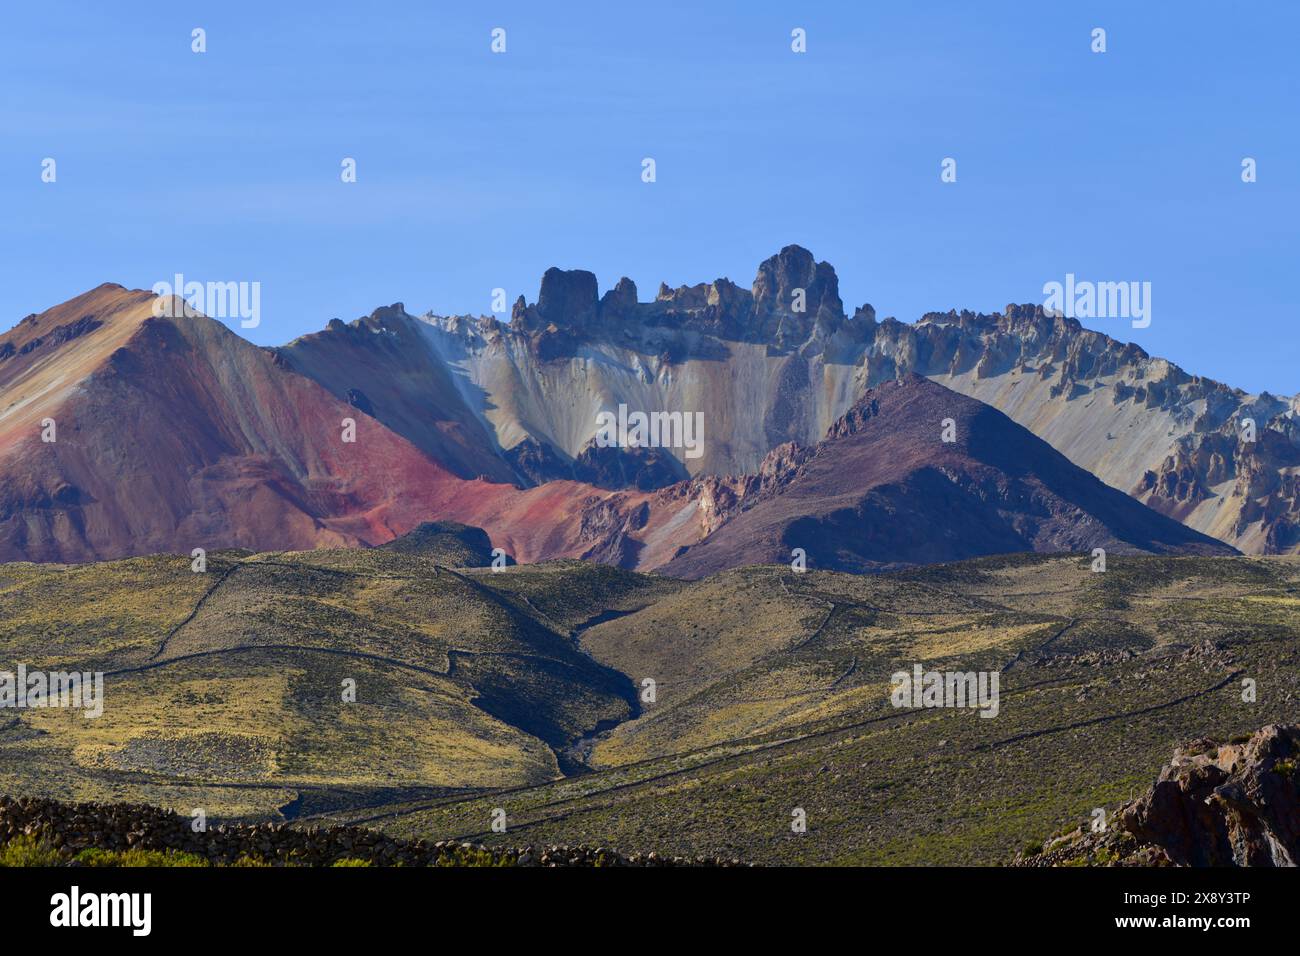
1176 441
884 488
757 371
386 367
780 362
174 433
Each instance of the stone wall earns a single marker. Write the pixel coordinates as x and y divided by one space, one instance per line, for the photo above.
72 827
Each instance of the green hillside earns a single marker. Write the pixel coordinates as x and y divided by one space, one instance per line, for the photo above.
522 690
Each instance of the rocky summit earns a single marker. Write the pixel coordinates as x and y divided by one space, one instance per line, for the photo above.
782 360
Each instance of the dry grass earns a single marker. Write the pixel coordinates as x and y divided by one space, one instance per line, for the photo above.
772 693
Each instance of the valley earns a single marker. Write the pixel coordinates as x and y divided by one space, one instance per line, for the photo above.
519 690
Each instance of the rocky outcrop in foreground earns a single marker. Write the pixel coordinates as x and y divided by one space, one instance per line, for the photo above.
1233 804
73 827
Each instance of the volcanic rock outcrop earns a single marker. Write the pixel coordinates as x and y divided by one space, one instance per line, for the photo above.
1227 804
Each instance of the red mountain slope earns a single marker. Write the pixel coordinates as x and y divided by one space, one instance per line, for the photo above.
172 434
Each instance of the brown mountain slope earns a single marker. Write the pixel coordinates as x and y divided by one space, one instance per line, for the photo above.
384 366
885 488
174 433
44 357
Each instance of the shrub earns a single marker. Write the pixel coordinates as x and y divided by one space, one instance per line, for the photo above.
94 856
28 851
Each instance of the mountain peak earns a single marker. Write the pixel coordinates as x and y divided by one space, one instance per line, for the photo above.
793 299
567 297
796 297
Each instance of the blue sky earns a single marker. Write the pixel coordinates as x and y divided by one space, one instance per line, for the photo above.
478 171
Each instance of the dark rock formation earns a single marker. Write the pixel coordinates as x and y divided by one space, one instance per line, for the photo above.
794 296
536 462
616 467
357 399
448 542
619 302
1229 804
567 298
612 467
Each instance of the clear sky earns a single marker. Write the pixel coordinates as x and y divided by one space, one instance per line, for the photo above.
479 170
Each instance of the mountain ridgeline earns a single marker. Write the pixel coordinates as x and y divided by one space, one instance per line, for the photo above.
821 430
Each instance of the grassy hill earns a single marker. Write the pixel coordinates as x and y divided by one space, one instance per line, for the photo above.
521 690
